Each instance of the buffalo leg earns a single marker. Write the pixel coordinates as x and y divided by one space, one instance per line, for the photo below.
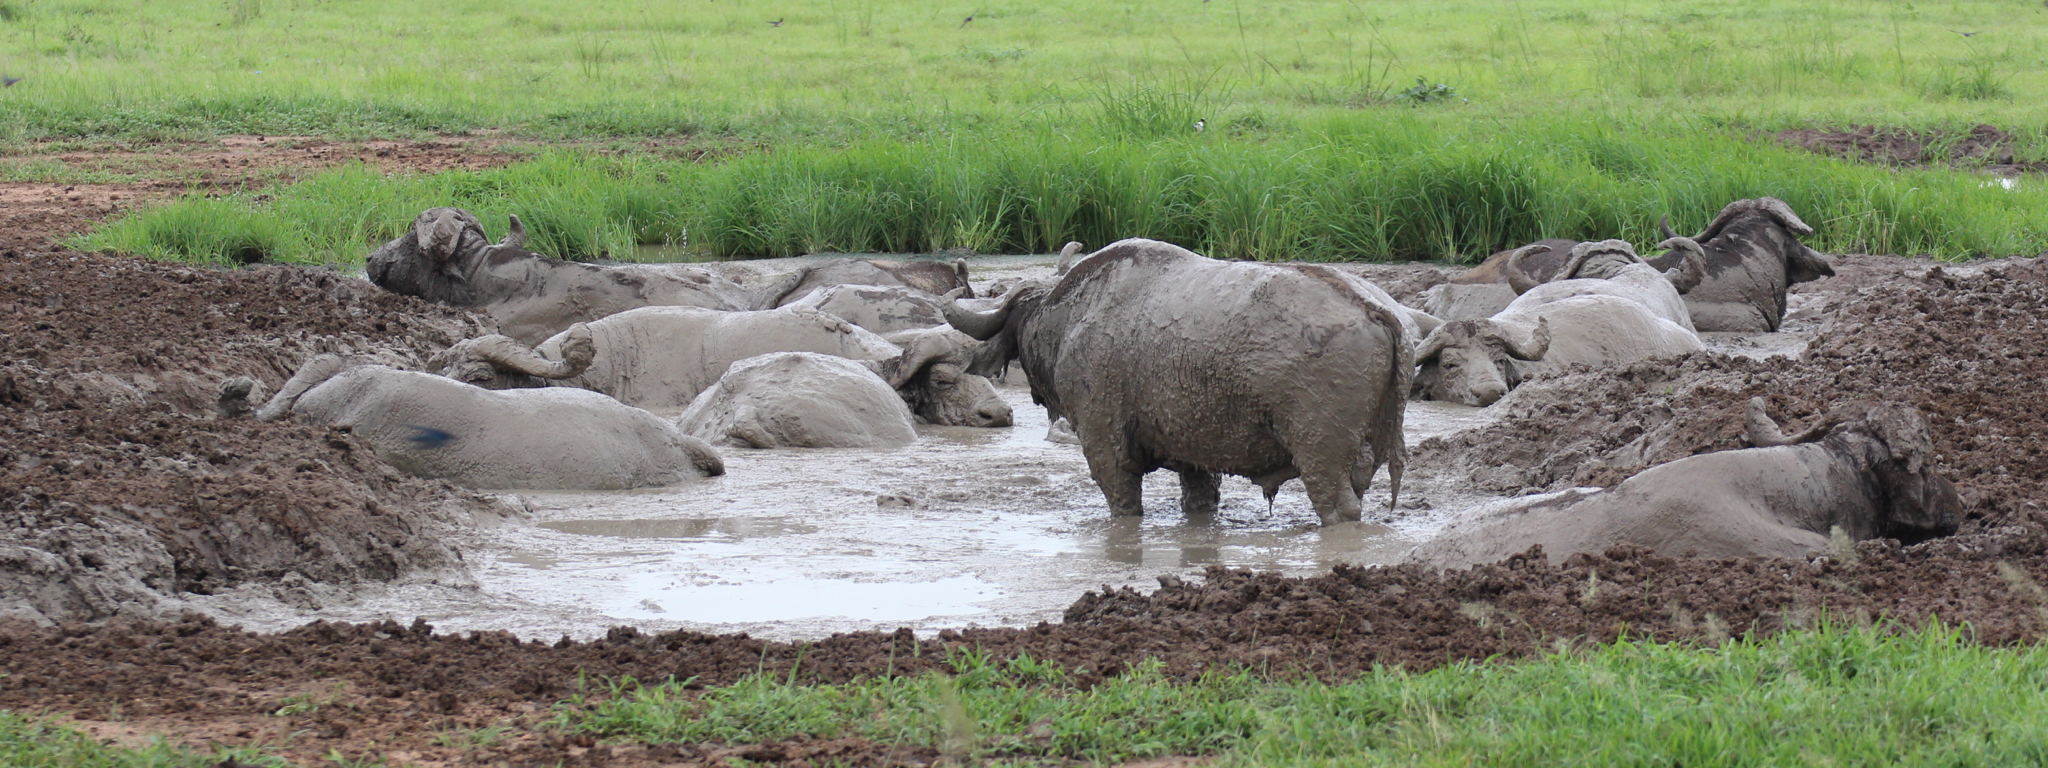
1328 476
1123 488
1200 492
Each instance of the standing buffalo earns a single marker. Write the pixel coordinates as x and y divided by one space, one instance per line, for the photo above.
447 259
437 427
1161 358
1868 471
1752 253
1606 306
662 357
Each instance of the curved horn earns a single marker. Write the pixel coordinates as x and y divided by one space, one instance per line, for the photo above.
919 354
438 236
1786 218
1577 260
981 325
1067 257
507 355
960 268
1533 348
1664 225
515 237
1519 280
1763 432
1433 344
1692 267
778 293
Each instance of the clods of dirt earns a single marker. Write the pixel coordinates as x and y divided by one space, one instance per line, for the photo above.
1981 146
118 487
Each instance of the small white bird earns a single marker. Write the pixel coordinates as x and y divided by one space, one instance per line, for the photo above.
1200 124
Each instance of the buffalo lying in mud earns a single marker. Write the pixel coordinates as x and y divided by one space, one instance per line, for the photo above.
878 308
928 277
1161 358
799 400
1868 470
1751 254
447 259
662 357
1606 307
437 427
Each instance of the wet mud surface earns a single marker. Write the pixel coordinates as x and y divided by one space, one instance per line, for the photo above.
127 504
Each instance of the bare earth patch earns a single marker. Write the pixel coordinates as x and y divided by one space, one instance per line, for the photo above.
1983 146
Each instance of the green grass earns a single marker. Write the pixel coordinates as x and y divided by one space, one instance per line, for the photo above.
1836 695
843 70
26 741
1409 186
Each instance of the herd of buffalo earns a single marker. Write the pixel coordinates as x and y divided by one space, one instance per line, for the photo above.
1147 355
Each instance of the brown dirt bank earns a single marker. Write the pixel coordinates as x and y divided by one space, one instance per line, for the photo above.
117 486
1980 146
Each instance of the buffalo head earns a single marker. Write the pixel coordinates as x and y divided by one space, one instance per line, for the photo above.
1473 361
1605 259
1912 502
933 379
435 259
499 362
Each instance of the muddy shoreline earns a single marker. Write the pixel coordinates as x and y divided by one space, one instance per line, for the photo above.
128 506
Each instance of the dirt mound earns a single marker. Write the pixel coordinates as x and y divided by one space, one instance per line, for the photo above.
1967 351
1979 146
117 488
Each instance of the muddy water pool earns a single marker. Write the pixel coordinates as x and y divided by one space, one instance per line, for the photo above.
968 527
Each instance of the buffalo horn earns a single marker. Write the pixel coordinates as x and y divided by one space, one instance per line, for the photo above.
507 355
1519 280
1762 432
1433 344
1067 257
1786 218
1534 348
1664 225
916 356
981 325
1692 267
516 236
960 268
439 235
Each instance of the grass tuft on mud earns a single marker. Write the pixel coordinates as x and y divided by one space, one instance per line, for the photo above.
1408 188
1855 694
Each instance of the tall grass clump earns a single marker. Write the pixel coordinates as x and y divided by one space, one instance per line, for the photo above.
28 741
1837 695
1379 190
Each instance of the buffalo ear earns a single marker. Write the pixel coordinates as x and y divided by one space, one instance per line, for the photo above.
994 356
1806 264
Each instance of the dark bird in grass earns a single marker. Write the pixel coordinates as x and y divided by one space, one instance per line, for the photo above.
1967 34
967 21
429 437
8 82
1200 125
775 23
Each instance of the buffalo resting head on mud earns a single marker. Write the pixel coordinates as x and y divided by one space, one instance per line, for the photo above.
447 259
436 427
663 357
1161 358
1604 305
1868 470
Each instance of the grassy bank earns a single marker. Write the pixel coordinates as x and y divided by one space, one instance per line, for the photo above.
1836 696
1831 695
846 70
1409 186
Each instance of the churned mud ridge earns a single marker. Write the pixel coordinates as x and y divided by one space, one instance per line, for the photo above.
1980 146
391 687
120 490
1969 351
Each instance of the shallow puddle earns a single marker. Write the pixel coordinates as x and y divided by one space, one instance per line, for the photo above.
966 527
